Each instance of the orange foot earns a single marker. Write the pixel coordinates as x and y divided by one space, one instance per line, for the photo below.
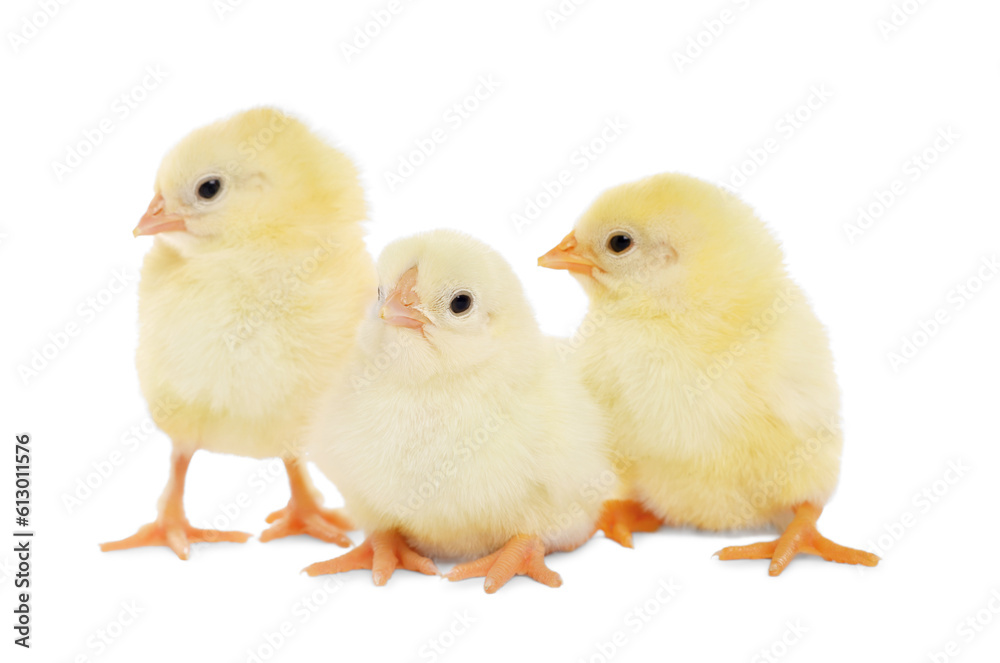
522 555
171 527
304 515
620 518
383 553
800 536
175 533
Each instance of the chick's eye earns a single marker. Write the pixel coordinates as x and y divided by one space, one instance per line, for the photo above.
209 188
619 242
461 303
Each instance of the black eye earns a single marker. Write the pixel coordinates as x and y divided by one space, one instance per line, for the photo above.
209 188
461 303
619 242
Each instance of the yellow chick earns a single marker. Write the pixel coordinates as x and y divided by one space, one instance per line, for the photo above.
716 372
459 432
249 302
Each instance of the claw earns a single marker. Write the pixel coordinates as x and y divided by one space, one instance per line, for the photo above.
176 534
522 555
801 536
383 553
171 527
304 515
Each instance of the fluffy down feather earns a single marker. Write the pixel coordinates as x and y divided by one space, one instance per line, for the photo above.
249 301
469 430
716 372
245 318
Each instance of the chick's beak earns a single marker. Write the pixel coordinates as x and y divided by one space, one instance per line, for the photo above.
400 305
566 256
156 220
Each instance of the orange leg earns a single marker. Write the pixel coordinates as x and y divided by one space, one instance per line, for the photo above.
383 553
171 527
522 555
800 536
304 515
620 518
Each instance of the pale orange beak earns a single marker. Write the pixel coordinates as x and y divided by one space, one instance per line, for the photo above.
400 305
566 256
156 220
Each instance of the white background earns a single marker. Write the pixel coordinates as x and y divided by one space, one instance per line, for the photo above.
886 98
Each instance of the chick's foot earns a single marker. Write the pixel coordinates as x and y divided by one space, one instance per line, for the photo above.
801 536
171 527
304 515
522 555
383 553
620 518
176 534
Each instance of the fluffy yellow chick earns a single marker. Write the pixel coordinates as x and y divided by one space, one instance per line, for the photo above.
717 374
249 302
459 432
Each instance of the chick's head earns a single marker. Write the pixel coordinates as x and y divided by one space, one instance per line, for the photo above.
448 304
667 243
258 174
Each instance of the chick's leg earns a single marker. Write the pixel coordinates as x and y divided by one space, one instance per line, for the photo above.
383 553
304 515
522 555
171 527
801 536
619 518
